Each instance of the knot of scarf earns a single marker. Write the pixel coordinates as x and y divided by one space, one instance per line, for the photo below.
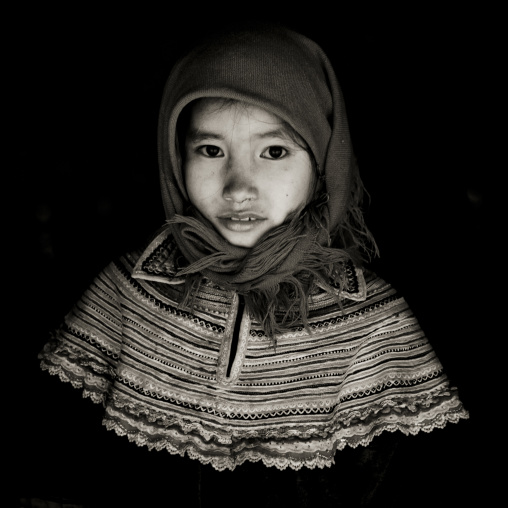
275 276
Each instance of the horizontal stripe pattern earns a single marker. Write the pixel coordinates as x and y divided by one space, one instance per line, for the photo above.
160 370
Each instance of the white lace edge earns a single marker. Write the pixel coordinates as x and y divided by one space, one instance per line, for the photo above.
94 388
320 459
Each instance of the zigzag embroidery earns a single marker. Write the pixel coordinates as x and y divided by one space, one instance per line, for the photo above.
165 306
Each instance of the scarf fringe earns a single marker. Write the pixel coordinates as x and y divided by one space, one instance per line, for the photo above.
277 275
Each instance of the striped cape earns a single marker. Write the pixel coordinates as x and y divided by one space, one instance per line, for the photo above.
209 383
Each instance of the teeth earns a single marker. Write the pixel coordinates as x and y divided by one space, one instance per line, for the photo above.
243 220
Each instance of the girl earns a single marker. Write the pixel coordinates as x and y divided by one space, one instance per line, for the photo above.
249 329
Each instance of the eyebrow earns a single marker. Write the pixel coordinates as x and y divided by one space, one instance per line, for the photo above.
275 133
196 136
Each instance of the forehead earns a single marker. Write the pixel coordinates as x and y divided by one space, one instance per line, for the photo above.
216 113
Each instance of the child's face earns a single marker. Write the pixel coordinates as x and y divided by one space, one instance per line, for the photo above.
242 170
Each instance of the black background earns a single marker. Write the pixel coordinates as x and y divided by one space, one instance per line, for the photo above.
86 92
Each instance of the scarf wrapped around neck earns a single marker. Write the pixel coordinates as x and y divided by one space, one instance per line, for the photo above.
290 76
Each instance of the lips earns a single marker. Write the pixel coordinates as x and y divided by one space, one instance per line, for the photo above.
240 222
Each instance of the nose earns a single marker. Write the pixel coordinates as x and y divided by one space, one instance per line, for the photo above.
239 185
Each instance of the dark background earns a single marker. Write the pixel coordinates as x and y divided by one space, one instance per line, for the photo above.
87 88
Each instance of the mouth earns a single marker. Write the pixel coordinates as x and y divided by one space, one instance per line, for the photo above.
241 222
241 216
244 219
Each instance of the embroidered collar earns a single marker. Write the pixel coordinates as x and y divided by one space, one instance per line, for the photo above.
160 262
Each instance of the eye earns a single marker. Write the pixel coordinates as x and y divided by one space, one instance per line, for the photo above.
211 151
274 152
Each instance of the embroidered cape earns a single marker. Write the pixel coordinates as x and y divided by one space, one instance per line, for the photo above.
169 379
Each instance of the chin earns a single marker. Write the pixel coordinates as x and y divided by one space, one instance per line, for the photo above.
247 244
238 240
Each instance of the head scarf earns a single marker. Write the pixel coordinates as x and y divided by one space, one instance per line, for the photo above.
288 75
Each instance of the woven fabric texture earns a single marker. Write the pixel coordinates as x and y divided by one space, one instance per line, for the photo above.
169 379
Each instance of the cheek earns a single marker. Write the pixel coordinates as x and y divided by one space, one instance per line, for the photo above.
301 193
288 194
200 184
300 189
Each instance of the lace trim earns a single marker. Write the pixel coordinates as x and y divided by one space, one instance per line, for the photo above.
280 453
91 386
78 369
224 446
345 417
74 360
